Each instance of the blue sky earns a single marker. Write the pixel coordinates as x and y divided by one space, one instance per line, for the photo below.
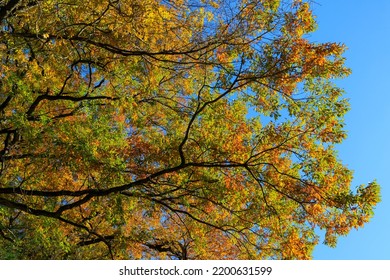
364 26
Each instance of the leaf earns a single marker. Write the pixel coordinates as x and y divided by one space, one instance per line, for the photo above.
171 130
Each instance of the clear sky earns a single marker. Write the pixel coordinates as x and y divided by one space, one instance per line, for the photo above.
364 26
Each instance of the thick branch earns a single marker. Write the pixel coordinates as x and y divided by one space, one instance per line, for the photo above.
8 8
40 98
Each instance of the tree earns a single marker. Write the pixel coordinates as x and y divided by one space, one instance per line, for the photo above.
184 129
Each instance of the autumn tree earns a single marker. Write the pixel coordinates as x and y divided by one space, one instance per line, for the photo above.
184 129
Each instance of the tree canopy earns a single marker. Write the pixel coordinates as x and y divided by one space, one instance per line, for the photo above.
171 129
